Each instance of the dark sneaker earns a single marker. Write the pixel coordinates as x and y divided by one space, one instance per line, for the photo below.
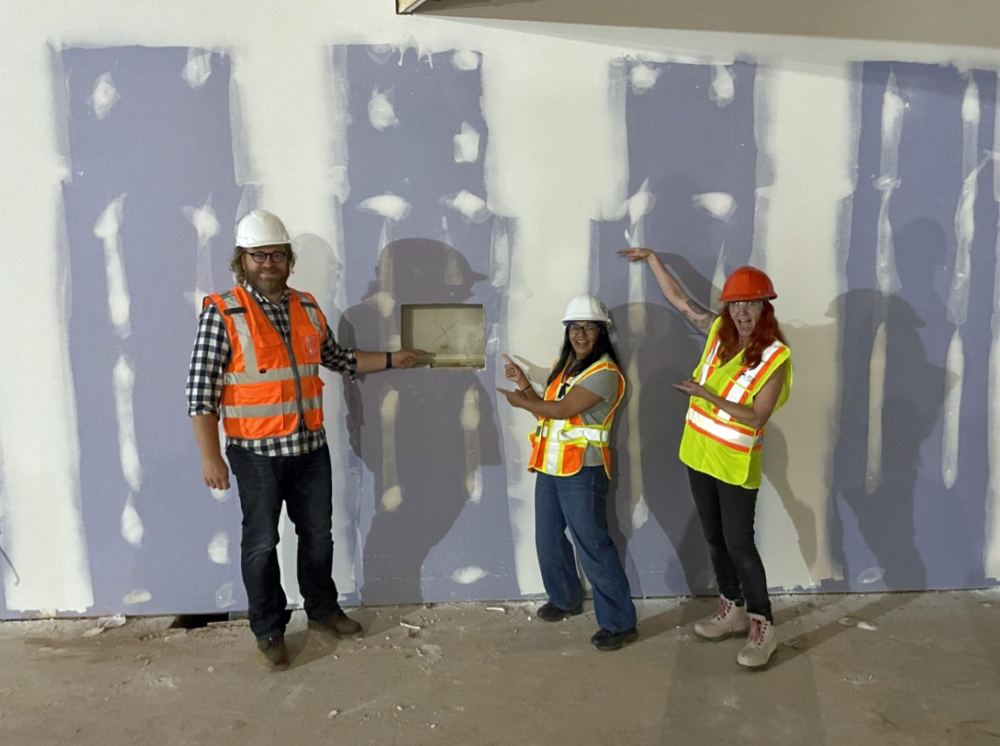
338 623
605 640
272 653
549 612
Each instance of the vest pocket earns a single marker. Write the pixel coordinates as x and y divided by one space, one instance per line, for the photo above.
311 347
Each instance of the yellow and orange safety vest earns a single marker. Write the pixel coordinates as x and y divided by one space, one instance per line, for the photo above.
558 446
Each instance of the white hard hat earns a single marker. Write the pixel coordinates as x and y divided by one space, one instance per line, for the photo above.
586 308
260 228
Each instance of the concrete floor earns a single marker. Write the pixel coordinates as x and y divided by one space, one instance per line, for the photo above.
876 669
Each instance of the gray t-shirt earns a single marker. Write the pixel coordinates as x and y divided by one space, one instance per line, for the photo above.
604 383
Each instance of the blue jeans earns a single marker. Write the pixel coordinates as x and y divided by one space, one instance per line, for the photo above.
580 502
305 484
727 514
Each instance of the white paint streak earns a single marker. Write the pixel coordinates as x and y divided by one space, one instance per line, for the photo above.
225 596
642 77
380 111
468 575
206 226
392 492
886 276
198 68
473 209
991 549
470 417
389 206
638 206
466 144
131 523
804 124
871 575
40 502
465 59
128 453
107 228
876 399
887 182
958 296
104 95
499 254
965 225
137 596
723 88
717 204
718 279
218 548
954 374
534 117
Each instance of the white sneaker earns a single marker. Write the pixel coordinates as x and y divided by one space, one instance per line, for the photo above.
728 620
761 645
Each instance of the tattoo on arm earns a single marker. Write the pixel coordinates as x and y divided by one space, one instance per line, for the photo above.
701 318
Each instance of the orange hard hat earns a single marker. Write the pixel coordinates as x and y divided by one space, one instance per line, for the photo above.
747 283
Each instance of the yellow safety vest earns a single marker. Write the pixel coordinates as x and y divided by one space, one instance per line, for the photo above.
558 446
715 443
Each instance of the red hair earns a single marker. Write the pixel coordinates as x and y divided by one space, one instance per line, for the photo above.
762 336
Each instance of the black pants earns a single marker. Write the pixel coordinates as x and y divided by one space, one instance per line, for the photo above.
727 513
305 484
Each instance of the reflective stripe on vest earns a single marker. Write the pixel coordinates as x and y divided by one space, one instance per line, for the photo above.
729 436
558 446
738 389
271 384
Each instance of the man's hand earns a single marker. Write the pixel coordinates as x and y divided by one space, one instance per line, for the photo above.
406 358
215 472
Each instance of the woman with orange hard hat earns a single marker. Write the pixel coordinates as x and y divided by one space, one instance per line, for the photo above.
744 375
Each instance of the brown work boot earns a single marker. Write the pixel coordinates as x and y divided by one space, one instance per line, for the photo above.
272 653
339 624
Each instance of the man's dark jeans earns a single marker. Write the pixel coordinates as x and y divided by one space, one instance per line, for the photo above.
305 484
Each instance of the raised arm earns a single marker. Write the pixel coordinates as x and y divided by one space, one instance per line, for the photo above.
700 317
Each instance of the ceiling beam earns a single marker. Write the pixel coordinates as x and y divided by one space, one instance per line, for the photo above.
408 6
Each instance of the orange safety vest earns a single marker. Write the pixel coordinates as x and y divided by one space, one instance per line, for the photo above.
271 383
715 443
558 446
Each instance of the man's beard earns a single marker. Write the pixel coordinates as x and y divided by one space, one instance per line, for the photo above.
268 284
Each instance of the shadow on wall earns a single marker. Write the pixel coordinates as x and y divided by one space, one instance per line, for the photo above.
880 490
407 428
890 20
664 353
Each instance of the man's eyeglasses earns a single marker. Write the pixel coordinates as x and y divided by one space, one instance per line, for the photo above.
276 257
588 329
741 304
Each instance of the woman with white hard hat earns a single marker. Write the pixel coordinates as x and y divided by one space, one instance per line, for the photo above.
744 375
571 457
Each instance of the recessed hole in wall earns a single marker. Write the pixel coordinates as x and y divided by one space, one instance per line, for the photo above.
453 334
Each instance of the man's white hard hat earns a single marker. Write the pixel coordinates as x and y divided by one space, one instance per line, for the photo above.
260 228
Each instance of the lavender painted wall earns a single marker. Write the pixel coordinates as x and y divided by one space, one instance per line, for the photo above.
166 145
683 143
